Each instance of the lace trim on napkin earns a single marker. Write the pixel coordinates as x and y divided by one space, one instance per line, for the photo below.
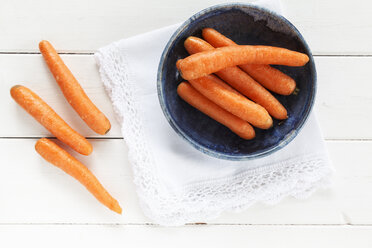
298 177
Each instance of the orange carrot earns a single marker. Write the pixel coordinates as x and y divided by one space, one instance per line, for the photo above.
269 77
241 81
204 63
46 116
203 104
196 45
57 156
211 87
73 92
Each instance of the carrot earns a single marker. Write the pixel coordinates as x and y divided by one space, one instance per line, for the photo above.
211 87
73 92
241 81
271 78
57 156
46 116
196 45
203 104
204 63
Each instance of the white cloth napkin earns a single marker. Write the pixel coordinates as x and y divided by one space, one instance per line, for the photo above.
177 184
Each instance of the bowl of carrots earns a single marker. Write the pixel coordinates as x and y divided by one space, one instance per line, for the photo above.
237 81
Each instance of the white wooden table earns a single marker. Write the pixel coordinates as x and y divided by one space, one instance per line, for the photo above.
41 205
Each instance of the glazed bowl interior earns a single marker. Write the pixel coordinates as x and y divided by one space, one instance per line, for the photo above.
248 25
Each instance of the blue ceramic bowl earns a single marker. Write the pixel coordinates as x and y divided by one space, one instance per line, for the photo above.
245 24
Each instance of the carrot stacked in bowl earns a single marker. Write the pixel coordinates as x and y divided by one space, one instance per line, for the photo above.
247 70
47 117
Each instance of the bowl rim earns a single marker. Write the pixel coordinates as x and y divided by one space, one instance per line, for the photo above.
160 90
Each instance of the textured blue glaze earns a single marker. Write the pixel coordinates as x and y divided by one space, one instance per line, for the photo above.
245 24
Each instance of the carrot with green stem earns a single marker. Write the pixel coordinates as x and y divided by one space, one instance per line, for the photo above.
241 81
204 105
47 117
271 78
57 156
205 63
213 88
73 92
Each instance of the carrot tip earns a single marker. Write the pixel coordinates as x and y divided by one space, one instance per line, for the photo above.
117 209
178 63
90 151
43 42
14 88
295 91
108 130
188 38
206 30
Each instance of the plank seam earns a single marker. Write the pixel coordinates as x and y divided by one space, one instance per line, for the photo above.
38 53
189 224
121 138
92 53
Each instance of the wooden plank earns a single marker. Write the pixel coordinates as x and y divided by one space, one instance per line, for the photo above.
330 27
346 202
333 27
36 192
343 100
188 236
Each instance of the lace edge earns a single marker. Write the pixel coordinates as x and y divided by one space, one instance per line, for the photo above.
155 201
299 187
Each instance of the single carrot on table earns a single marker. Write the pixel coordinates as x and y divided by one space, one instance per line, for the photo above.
204 63
271 78
203 104
47 117
241 81
73 92
57 156
213 88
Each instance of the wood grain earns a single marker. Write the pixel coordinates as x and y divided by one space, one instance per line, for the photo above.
344 101
37 192
187 236
330 27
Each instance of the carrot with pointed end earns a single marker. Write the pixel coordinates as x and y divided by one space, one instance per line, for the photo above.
196 45
57 156
204 105
271 78
73 92
241 81
47 117
254 91
212 87
205 63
